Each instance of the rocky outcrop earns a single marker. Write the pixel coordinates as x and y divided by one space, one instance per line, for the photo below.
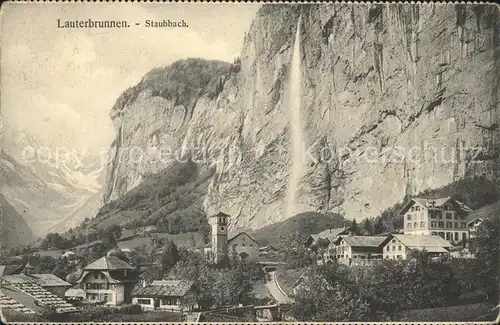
14 230
396 99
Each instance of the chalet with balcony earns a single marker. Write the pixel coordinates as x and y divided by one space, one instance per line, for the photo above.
167 295
355 250
108 280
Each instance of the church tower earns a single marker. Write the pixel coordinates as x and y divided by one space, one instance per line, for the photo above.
219 224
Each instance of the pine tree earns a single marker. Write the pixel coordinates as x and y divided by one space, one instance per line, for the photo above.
378 226
367 227
354 226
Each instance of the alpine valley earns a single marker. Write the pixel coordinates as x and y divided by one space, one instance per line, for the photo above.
419 78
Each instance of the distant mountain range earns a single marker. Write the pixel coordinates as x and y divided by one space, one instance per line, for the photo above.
51 195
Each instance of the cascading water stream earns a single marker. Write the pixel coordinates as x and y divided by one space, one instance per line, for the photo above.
297 142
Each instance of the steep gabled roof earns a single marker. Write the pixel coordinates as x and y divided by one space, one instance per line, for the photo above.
165 288
328 234
416 241
11 269
243 234
364 241
220 214
473 220
436 203
41 279
109 263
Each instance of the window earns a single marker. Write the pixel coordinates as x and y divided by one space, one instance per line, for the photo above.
408 225
439 214
388 248
422 224
456 236
417 208
448 224
102 276
434 233
144 301
462 217
393 248
463 225
415 224
96 276
456 224
433 224
456 216
399 247
464 236
448 215
408 215
400 257
440 224
105 297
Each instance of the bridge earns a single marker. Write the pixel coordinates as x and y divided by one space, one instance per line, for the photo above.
269 266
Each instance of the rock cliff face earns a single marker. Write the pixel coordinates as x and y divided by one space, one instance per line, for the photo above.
396 99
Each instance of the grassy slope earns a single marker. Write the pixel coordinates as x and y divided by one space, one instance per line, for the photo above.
487 211
463 313
288 277
171 198
304 223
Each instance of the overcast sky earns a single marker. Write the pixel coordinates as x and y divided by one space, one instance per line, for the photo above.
60 84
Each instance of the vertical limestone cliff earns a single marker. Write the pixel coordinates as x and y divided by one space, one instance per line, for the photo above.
396 99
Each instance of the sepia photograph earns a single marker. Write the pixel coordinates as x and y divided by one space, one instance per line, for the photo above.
249 162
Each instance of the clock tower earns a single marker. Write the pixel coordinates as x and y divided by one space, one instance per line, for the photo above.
219 224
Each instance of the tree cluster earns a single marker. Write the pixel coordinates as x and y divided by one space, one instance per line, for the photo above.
333 292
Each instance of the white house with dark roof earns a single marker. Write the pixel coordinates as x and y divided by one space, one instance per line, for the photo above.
169 295
358 249
443 217
473 227
398 246
108 280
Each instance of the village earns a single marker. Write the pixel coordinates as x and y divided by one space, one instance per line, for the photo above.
171 287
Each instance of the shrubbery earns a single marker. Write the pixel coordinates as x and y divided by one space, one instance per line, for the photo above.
381 292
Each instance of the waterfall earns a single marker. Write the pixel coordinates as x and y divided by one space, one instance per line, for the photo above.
297 142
